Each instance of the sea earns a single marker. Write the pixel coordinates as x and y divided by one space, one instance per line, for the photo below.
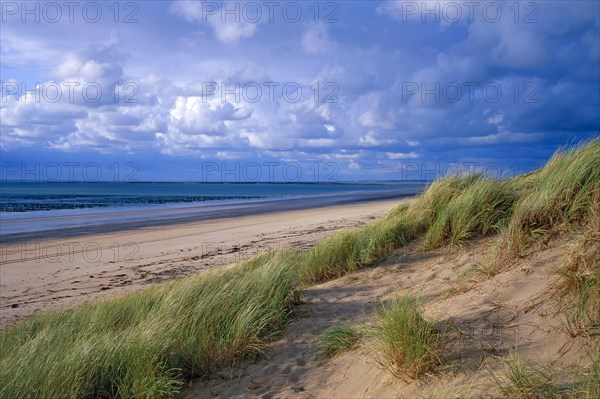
33 210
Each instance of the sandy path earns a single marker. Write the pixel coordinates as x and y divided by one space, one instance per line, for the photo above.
47 274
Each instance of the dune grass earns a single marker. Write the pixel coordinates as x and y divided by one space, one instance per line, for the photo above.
524 380
481 207
405 342
333 257
336 340
527 381
588 382
579 280
565 192
148 343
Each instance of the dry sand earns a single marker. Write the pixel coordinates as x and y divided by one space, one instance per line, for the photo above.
512 312
48 274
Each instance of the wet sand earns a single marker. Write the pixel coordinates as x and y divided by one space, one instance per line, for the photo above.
61 272
18 228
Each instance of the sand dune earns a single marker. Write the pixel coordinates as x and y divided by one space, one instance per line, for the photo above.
512 312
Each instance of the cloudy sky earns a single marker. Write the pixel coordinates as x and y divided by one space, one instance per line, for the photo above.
351 89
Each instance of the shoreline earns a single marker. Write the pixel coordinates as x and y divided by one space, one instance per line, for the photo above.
57 272
19 230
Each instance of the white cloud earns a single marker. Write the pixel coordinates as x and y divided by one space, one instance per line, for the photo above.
224 26
352 164
231 32
401 155
20 51
369 66
372 139
501 137
191 11
73 68
195 115
495 119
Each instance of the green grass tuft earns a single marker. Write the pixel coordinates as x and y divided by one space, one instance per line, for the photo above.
525 381
405 342
528 381
333 257
336 340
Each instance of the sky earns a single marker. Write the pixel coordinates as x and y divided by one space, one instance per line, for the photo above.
293 91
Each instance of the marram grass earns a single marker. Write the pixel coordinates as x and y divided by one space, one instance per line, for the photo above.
523 380
147 344
405 342
336 340
479 208
565 191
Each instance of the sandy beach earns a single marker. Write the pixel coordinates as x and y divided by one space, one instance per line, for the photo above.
60 272
431 299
